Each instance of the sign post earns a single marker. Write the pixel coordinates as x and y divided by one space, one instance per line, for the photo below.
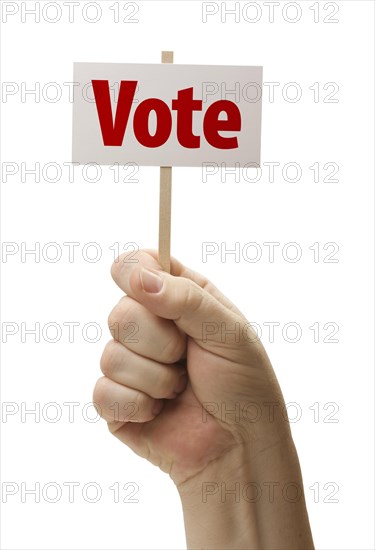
165 202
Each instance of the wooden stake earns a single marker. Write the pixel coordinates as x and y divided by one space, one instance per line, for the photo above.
165 202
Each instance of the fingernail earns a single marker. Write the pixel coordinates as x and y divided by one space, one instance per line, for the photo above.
150 281
159 404
181 385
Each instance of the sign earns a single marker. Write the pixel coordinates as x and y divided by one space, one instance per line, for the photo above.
166 114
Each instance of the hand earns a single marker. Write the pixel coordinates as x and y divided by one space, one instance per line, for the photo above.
185 327
205 406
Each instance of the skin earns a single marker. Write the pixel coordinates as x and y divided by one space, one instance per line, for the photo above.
203 404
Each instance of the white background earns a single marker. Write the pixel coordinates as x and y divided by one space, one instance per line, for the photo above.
105 212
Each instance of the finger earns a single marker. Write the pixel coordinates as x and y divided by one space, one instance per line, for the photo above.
149 258
191 307
123 366
141 331
118 403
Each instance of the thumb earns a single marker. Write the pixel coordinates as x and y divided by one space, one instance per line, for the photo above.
194 310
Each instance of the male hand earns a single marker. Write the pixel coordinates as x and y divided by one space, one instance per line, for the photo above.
186 380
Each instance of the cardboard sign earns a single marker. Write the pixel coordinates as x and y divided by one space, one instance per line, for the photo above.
166 114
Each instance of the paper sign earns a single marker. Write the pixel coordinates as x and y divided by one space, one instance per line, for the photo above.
166 114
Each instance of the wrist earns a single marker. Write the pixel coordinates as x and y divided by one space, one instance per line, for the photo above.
252 497
215 516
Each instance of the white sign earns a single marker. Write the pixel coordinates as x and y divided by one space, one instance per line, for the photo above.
166 114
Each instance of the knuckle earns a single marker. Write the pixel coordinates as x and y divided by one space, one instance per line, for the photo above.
172 350
141 402
100 393
165 385
107 360
128 309
124 311
113 317
192 297
124 261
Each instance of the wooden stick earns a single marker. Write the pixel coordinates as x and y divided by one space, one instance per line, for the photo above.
165 202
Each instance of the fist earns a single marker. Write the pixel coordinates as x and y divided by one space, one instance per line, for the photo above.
182 365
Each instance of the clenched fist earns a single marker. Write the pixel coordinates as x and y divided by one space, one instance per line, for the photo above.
188 385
